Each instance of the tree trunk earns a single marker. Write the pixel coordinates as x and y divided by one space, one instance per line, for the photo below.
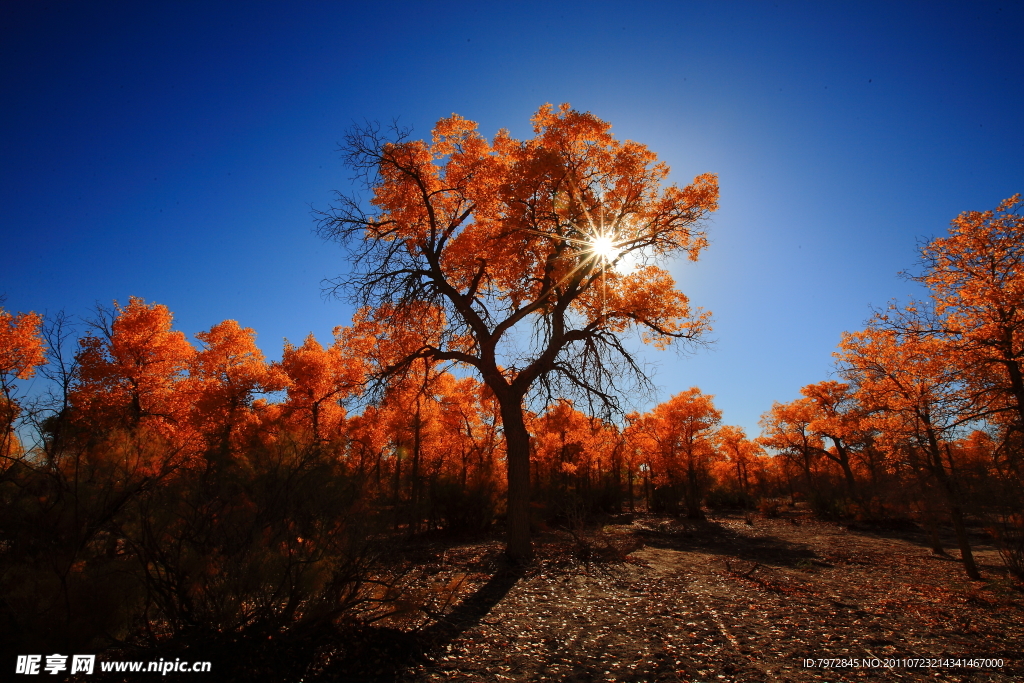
397 492
933 535
1013 369
647 489
962 541
629 480
693 497
316 422
617 476
414 487
928 511
949 487
517 447
843 458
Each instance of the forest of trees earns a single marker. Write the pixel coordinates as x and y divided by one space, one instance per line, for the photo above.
156 488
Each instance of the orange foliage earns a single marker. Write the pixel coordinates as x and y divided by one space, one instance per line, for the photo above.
976 280
510 225
432 447
132 373
679 438
21 346
741 454
919 403
836 416
571 450
318 380
786 430
225 375
494 238
910 382
21 351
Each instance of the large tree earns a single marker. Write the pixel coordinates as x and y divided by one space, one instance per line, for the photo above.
525 261
975 277
918 401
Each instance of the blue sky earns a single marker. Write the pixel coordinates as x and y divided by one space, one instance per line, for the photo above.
174 151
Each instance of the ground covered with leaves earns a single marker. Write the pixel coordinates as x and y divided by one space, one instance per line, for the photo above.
656 599
645 598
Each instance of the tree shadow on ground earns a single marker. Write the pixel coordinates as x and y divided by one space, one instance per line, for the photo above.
911 532
346 654
381 654
712 537
475 607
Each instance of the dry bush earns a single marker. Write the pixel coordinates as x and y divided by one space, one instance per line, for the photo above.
770 507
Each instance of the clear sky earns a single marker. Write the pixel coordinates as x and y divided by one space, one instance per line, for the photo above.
174 151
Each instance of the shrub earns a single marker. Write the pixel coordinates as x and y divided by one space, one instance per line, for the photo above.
1009 536
829 507
769 507
722 497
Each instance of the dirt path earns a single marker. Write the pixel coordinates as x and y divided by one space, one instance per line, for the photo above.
724 601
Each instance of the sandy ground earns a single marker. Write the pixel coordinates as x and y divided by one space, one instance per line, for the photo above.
787 599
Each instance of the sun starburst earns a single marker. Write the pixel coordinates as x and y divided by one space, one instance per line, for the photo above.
604 248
